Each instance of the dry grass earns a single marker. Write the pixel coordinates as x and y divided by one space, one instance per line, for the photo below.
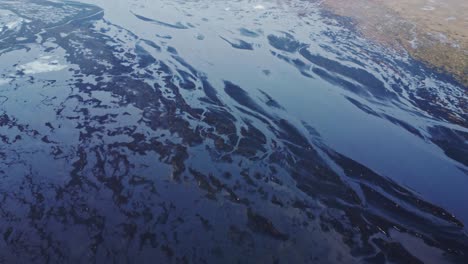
433 31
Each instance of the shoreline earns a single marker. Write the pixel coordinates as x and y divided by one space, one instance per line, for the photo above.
432 32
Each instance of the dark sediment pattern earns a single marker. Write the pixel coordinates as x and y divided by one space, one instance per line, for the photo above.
129 167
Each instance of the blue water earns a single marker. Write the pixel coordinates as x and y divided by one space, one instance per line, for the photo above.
220 131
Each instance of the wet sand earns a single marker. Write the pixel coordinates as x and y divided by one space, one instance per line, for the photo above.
433 31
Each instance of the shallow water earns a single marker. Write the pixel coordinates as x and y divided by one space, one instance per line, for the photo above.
209 131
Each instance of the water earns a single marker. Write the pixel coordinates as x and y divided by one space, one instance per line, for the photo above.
209 131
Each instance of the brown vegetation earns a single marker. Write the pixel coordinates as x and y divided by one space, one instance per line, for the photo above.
433 31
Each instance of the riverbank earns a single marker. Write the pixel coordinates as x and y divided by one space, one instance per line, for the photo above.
433 31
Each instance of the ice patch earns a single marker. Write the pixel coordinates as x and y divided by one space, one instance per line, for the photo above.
13 24
43 64
10 21
428 8
3 82
259 7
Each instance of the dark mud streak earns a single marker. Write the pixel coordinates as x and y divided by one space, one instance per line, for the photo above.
452 141
248 33
373 85
241 97
363 107
238 44
392 119
404 125
270 101
264 226
285 43
178 25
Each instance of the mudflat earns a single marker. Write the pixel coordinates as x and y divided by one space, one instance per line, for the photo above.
433 31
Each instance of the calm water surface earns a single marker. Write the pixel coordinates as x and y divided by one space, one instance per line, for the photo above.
222 131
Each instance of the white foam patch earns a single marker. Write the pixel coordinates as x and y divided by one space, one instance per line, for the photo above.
43 64
3 82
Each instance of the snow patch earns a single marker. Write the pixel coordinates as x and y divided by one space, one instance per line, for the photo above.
13 24
259 7
43 64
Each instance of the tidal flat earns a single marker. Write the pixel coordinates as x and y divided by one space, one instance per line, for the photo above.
222 131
